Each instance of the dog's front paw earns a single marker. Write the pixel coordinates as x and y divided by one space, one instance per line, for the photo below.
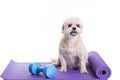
83 71
63 69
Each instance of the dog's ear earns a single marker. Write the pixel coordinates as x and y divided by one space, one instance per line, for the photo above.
62 28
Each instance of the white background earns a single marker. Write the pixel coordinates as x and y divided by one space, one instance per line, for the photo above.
30 30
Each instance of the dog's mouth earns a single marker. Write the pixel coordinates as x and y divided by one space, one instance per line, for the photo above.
73 33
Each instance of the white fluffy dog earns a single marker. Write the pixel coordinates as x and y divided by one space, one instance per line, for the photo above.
72 52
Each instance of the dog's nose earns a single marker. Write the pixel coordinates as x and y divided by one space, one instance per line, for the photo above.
74 28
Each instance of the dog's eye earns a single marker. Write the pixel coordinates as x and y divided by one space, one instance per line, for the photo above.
78 25
69 25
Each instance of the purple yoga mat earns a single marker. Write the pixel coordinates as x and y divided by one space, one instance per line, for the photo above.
99 67
19 71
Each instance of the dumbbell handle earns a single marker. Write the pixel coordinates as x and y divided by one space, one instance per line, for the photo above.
41 69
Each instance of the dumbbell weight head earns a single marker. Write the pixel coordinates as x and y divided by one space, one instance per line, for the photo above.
49 71
34 68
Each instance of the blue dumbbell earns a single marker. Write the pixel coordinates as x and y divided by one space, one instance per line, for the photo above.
49 71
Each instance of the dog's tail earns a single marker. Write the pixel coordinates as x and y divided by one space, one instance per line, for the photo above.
55 62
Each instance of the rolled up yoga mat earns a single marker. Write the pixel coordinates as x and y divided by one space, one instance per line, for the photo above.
98 65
